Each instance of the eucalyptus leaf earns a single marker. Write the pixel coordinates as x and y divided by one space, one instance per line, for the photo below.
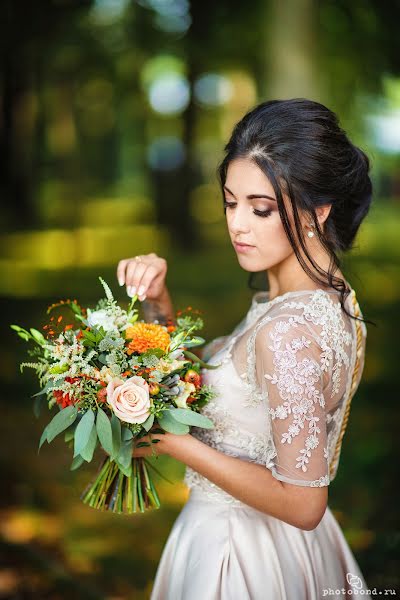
87 451
125 454
148 424
69 434
61 421
83 431
43 438
168 423
190 417
126 434
127 471
116 434
104 431
37 406
77 462
49 386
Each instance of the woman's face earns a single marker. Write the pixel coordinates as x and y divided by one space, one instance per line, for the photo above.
249 195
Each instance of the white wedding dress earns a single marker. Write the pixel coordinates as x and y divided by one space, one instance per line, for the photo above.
287 371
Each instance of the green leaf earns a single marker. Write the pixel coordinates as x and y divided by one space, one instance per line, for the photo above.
194 341
87 451
49 386
102 358
126 434
58 369
77 462
83 431
104 431
198 360
190 417
148 424
75 308
125 454
168 423
43 438
69 434
61 421
38 337
116 434
89 335
127 471
37 406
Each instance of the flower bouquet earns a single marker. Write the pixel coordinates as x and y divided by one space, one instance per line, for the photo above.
115 379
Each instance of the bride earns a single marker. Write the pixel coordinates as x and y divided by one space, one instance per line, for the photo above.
257 524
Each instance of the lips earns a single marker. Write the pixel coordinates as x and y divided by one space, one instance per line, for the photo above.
243 248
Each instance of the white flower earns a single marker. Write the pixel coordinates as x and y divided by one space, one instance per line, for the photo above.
99 318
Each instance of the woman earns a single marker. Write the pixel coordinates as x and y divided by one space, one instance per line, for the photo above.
257 524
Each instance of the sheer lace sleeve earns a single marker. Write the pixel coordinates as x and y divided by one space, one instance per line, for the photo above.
292 375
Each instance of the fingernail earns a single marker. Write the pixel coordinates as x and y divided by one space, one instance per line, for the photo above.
120 281
141 290
141 298
132 290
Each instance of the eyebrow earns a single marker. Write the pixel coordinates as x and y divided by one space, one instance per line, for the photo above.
252 196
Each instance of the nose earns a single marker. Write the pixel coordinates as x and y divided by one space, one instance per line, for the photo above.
238 220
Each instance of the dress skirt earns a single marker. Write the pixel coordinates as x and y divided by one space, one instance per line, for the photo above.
218 551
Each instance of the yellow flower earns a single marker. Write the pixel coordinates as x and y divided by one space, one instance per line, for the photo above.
145 336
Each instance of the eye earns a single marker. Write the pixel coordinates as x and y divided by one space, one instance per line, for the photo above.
262 213
229 204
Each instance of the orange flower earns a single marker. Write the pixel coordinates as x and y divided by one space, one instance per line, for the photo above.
145 336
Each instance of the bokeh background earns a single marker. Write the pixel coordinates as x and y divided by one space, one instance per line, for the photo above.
113 117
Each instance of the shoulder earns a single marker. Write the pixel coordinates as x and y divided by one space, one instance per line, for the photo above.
310 322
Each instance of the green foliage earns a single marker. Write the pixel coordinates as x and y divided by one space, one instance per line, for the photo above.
60 422
104 431
189 417
83 432
170 424
116 434
88 450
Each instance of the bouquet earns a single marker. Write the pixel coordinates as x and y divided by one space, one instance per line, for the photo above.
115 379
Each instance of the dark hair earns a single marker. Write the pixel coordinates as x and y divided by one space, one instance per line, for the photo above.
301 148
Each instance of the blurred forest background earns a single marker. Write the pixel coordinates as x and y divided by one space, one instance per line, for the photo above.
113 117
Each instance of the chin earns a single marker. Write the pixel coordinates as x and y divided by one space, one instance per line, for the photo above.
251 265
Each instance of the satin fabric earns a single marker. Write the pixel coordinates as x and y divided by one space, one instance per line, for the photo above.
217 551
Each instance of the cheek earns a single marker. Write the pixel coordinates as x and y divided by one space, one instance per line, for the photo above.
272 240
270 230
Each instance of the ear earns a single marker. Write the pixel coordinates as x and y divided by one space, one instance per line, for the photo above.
322 213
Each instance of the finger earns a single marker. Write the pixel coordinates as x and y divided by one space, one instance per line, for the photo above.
149 275
134 272
154 280
121 271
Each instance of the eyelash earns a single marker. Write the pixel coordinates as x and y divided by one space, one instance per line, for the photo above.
259 213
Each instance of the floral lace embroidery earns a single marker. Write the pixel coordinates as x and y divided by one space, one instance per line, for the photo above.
296 384
334 338
324 480
256 446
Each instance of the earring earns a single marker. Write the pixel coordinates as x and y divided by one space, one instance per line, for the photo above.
310 234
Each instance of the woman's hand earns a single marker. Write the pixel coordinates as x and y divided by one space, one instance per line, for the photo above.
146 277
167 443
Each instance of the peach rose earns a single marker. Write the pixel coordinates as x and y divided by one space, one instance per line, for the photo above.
129 399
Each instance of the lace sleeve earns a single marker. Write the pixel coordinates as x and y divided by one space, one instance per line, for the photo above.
290 373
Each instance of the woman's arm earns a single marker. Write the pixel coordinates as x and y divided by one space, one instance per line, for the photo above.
253 484
160 308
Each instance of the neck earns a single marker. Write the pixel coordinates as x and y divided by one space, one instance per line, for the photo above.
289 276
